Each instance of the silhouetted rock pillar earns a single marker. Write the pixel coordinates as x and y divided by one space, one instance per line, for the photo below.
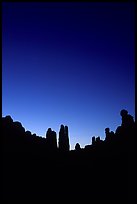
63 138
48 136
127 119
66 138
107 132
51 139
127 130
93 140
54 140
98 140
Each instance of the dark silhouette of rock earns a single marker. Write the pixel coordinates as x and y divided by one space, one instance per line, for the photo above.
93 140
66 142
63 138
7 119
127 119
28 133
77 147
51 139
107 131
102 172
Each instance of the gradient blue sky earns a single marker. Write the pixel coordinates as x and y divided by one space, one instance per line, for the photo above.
68 63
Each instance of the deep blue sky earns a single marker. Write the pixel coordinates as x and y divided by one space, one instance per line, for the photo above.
68 63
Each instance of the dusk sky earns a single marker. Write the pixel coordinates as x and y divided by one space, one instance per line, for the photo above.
68 63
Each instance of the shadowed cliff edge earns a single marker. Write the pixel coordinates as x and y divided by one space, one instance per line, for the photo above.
36 168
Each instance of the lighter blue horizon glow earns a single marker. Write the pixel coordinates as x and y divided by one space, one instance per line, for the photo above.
68 63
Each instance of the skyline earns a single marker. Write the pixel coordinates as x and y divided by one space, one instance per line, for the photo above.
70 64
